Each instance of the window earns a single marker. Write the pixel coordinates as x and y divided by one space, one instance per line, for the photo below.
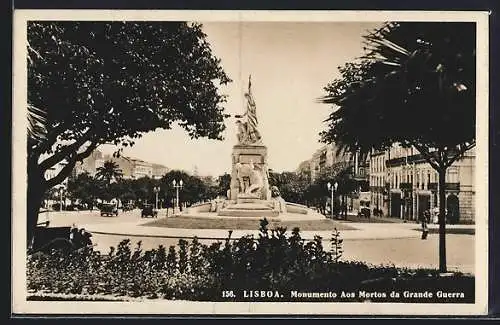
453 175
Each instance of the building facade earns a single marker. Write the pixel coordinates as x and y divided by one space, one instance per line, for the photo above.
329 156
403 185
141 169
130 167
89 164
159 170
304 170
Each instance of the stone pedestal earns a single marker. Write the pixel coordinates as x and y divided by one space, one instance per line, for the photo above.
245 154
252 208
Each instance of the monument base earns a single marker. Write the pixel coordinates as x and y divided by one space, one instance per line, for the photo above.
249 207
244 154
247 198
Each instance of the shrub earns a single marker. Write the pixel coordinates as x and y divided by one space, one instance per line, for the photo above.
195 271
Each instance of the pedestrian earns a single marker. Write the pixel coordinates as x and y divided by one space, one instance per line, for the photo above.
424 219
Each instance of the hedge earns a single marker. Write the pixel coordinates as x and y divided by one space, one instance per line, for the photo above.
234 270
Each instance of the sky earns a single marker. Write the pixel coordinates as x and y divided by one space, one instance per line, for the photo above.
290 63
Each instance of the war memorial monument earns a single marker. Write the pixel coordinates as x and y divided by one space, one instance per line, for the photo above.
249 194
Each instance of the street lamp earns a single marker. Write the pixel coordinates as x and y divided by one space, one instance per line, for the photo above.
156 189
61 190
332 189
177 187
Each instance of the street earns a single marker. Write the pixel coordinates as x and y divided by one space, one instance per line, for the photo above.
402 252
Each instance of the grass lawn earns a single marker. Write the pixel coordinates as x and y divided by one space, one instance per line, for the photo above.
245 224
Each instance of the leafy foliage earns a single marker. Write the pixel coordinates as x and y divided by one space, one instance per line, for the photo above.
87 188
416 85
291 185
196 271
415 81
84 188
109 172
116 80
223 185
110 82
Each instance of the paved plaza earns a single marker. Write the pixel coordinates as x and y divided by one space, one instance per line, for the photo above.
396 244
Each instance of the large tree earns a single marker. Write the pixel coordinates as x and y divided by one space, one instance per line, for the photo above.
415 86
193 188
84 188
291 185
110 82
223 184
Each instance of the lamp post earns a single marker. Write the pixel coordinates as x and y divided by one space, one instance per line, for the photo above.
177 187
61 190
332 189
156 190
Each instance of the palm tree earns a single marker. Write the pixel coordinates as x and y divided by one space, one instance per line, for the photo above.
415 86
37 124
108 172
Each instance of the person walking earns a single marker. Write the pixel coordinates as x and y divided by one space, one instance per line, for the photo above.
425 218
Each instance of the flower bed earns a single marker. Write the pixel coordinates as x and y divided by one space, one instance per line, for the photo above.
271 267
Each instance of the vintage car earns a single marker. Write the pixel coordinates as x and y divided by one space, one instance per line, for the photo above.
128 207
109 209
67 239
148 210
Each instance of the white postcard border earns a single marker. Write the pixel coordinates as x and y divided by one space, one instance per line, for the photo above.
19 178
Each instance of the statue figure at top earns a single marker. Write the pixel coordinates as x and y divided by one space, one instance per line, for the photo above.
247 123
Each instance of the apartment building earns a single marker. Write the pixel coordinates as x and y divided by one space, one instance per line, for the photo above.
403 185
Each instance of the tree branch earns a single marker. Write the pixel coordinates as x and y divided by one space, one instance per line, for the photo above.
460 152
64 152
66 170
429 157
51 138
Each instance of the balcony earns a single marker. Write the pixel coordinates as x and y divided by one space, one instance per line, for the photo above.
418 158
447 186
405 186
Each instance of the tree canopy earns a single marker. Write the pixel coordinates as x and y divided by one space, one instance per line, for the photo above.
415 85
109 82
93 83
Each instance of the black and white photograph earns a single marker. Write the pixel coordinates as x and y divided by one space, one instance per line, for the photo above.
250 162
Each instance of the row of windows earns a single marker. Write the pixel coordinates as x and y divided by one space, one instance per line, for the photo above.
377 164
422 177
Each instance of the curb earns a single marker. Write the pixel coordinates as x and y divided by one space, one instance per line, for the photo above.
416 235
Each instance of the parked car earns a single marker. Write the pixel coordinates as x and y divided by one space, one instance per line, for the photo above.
149 211
66 239
364 212
109 209
128 207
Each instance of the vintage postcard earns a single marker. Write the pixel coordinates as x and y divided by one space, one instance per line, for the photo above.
250 162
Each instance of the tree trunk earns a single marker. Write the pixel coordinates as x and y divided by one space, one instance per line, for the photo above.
36 190
442 220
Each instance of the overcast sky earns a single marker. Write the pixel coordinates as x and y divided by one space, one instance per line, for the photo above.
290 63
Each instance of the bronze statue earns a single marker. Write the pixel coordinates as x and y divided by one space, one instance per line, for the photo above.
247 129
